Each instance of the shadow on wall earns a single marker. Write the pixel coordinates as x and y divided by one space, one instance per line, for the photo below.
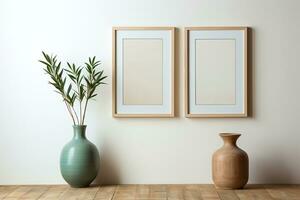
177 47
108 173
250 72
272 171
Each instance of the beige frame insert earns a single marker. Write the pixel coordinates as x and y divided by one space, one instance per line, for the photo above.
114 70
186 61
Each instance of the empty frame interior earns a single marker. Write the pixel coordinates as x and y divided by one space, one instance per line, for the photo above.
216 78
143 64
143 59
215 71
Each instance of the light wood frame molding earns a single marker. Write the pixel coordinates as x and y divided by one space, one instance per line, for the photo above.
186 73
114 72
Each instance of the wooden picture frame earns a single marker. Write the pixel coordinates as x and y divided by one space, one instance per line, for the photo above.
216 72
143 71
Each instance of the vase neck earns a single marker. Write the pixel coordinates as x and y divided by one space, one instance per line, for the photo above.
230 138
79 131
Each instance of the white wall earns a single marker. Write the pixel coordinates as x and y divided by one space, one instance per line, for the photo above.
35 124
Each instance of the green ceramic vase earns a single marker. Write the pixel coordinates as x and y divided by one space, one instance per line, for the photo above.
79 160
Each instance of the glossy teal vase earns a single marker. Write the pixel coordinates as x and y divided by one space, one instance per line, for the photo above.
79 160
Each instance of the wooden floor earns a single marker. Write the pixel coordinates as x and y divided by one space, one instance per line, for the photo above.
151 192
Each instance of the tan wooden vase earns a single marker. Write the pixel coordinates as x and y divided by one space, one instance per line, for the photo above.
230 164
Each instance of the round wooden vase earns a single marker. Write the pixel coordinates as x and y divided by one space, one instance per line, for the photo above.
230 164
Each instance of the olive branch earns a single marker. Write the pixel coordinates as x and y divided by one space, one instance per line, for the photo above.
81 85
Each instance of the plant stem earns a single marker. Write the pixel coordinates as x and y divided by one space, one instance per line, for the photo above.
80 112
80 102
75 114
84 111
70 113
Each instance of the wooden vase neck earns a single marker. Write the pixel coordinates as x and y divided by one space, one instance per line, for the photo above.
230 138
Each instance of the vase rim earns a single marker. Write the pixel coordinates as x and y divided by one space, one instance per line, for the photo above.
79 125
229 134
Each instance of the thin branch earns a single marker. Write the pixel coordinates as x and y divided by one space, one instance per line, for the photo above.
84 111
80 112
75 114
85 106
70 113
80 101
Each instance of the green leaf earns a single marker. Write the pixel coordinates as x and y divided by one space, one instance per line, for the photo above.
104 77
80 80
88 68
46 57
69 71
69 89
97 63
54 59
79 71
47 72
69 65
58 67
45 63
93 95
87 81
72 78
60 74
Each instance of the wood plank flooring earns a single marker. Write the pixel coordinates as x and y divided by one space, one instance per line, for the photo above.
149 192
